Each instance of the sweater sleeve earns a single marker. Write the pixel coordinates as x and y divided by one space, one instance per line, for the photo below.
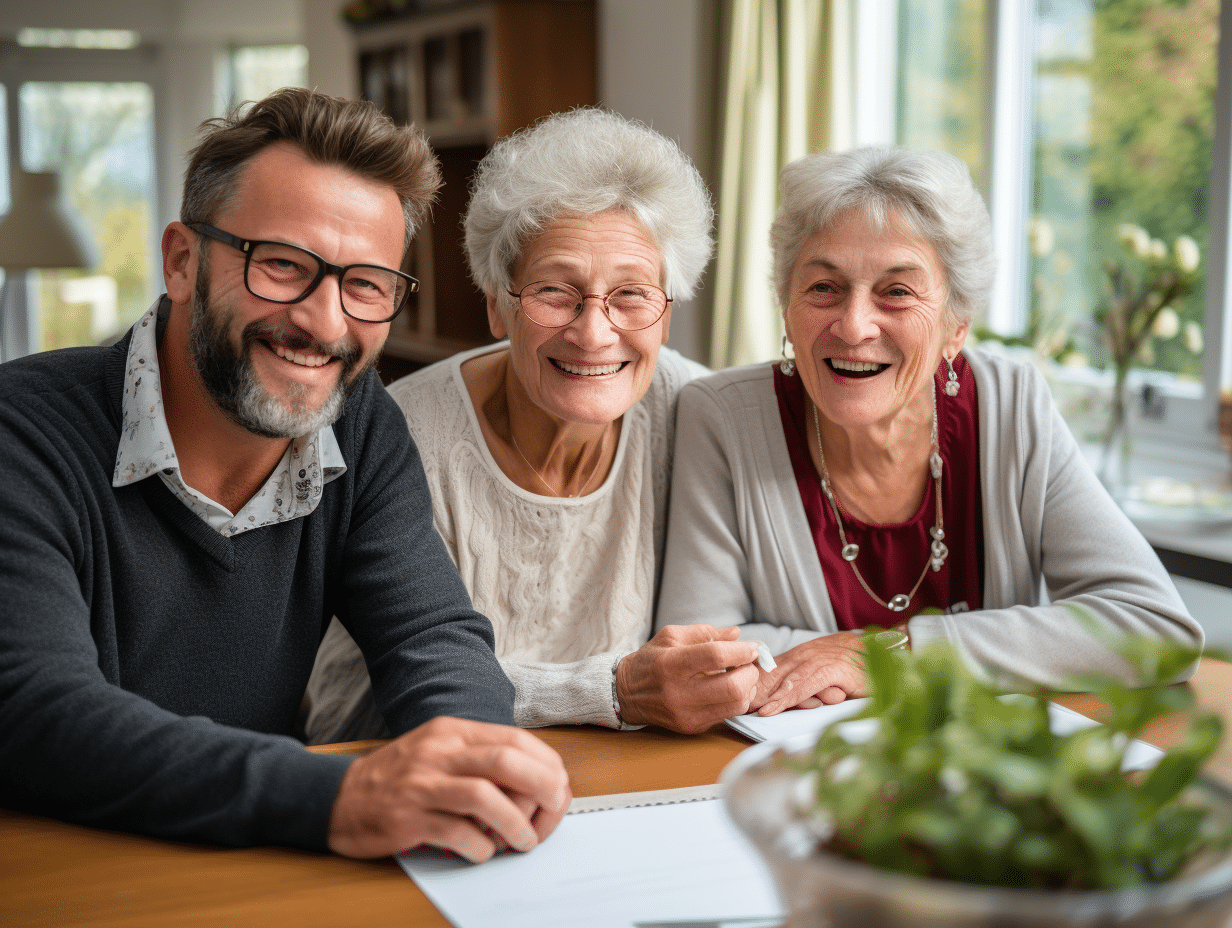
77 745
574 693
706 568
428 651
1049 522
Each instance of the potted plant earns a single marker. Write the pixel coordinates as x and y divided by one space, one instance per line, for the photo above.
964 809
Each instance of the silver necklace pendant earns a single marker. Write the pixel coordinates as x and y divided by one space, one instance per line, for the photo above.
938 552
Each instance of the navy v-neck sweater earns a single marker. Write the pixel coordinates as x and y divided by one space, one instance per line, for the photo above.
151 669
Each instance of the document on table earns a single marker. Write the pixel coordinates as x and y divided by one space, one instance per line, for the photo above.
682 865
796 723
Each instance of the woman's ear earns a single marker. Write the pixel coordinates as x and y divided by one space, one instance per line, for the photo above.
496 322
955 342
179 262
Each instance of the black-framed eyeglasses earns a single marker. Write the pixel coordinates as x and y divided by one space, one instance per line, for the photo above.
552 304
283 273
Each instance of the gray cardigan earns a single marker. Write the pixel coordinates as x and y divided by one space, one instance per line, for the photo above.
740 552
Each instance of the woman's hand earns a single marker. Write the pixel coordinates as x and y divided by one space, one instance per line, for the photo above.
687 678
825 670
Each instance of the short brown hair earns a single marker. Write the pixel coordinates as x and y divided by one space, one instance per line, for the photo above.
352 134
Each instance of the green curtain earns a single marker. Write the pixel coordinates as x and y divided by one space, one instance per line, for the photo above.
775 108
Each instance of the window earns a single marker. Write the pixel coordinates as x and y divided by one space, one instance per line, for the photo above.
87 114
256 71
1103 113
99 137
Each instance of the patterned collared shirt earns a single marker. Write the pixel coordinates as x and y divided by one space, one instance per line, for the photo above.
292 490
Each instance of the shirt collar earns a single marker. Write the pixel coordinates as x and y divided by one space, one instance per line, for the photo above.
292 490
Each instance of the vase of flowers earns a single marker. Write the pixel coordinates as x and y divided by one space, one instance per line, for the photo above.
1143 285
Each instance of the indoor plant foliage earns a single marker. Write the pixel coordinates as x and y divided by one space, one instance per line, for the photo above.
960 785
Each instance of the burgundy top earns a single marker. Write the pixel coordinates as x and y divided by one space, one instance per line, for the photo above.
892 556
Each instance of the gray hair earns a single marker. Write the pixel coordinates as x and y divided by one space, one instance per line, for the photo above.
587 161
930 190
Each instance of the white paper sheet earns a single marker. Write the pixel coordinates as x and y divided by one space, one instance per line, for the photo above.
796 723
681 865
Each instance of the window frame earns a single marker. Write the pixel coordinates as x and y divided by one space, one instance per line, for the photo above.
1188 431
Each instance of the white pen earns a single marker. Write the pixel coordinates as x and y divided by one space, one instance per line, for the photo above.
765 660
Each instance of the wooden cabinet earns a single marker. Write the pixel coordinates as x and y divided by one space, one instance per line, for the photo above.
468 73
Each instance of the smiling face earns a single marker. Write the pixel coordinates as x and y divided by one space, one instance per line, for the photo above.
588 371
867 315
282 370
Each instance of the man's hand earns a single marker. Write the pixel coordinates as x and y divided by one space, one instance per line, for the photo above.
687 678
468 787
826 670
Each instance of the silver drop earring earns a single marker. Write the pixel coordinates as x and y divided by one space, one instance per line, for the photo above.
787 365
951 382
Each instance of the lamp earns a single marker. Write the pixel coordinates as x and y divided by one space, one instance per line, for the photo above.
41 230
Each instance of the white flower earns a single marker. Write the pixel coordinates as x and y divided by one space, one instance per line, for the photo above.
1166 324
1193 337
1040 237
1134 239
1157 250
1185 251
845 769
952 780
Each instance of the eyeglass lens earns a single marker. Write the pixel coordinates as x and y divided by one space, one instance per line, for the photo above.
630 306
284 274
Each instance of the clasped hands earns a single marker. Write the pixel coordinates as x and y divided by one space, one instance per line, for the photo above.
690 677
469 787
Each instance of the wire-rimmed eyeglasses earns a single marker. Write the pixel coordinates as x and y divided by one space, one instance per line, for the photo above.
283 273
552 304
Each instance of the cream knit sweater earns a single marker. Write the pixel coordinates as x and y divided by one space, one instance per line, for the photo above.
569 584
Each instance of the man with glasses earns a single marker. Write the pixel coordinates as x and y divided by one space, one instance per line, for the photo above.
183 513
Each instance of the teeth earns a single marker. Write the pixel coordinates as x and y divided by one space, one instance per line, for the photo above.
304 360
855 366
589 371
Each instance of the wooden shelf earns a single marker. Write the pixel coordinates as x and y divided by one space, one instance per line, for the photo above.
469 73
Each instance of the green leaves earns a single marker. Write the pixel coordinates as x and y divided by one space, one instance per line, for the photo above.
961 783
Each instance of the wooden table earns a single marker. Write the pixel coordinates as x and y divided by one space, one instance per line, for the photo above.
57 874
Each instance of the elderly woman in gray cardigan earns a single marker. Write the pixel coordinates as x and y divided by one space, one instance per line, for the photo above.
886 476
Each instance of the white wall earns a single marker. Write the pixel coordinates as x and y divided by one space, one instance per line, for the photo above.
667 84
331 49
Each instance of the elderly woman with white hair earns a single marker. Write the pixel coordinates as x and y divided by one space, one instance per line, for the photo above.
549 454
885 476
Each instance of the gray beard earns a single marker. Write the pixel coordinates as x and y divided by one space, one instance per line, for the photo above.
236 389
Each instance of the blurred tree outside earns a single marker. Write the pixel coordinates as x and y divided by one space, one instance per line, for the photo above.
1124 121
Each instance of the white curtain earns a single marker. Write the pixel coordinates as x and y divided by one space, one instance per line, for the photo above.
774 109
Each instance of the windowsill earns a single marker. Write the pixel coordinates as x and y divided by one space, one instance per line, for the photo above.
1204 538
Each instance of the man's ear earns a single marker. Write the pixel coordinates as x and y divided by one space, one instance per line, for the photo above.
179 262
496 322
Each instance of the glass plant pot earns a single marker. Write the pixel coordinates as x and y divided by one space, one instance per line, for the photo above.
820 890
